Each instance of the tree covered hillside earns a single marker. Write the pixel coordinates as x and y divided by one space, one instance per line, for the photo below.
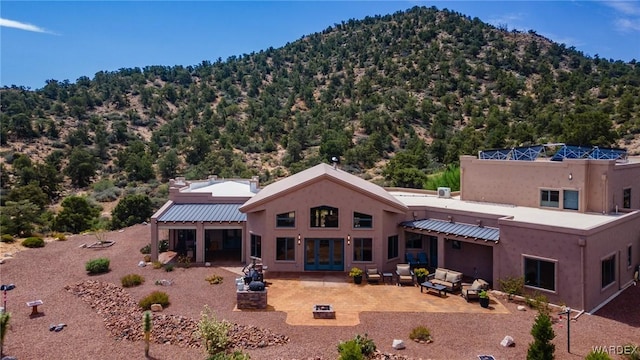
396 97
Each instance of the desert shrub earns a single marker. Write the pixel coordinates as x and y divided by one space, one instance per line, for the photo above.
184 261
157 264
597 355
97 266
350 350
131 280
33 242
214 333
360 347
542 348
163 246
60 236
156 297
236 355
146 258
633 352
512 285
420 333
6 238
146 249
214 279
168 267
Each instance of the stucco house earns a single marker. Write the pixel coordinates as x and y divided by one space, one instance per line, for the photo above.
569 224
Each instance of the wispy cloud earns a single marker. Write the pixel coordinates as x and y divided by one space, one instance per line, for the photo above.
23 26
627 15
510 20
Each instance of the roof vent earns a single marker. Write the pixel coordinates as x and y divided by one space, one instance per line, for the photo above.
444 192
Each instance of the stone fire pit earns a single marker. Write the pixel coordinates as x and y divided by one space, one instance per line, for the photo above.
323 312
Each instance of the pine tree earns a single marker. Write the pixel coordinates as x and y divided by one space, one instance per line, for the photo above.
541 348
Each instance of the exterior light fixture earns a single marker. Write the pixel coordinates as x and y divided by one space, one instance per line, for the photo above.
348 239
298 239
570 176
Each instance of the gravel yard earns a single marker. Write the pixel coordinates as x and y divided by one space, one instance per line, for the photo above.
103 321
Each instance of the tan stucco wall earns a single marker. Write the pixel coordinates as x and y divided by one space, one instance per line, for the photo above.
329 193
600 182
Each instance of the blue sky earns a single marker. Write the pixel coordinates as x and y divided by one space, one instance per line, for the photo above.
65 40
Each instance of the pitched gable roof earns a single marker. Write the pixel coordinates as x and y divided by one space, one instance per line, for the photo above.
317 173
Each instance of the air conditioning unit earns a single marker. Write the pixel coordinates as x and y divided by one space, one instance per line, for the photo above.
444 192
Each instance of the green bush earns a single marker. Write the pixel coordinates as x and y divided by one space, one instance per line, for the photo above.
97 266
633 353
146 249
6 238
214 333
60 236
163 246
420 333
168 267
131 280
597 355
214 279
350 350
156 264
512 285
236 355
33 242
156 297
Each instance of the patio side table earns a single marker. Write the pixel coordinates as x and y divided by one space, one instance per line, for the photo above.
387 275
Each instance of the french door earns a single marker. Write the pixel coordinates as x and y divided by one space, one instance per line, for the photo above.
324 254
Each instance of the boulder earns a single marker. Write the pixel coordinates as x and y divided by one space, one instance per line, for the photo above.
142 264
507 341
156 307
398 344
521 308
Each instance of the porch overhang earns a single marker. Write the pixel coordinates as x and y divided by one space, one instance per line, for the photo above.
202 213
464 230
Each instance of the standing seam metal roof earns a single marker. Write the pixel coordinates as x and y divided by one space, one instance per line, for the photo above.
452 228
204 212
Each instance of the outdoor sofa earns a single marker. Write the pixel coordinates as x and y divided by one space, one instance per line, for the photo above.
449 278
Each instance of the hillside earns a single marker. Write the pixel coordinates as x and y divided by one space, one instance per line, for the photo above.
431 84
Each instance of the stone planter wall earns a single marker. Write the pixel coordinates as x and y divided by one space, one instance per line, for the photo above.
247 299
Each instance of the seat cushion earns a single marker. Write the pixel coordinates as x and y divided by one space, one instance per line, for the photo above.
441 274
453 277
476 285
372 271
403 270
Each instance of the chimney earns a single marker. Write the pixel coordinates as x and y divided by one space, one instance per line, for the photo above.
254 184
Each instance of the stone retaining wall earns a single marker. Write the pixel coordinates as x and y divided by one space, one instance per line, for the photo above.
247 299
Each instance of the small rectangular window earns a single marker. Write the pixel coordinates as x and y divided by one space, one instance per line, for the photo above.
285 248
629 256
608 270
362 249
392 247
286 220
540 273
256 246
570 199
550 198
362 220
626 198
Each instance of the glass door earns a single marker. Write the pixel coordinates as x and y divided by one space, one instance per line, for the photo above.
324 254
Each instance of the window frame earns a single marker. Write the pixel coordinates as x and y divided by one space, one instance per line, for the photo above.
286 220
629 256
316 220
360 216
547 201
611 269
360 249
289 245
393 247
410 243
255 245
540 260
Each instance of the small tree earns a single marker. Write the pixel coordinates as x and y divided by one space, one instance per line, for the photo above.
541 348
146 326
4 327
214 333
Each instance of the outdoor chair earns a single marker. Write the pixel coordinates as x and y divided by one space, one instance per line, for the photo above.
372 275
422 259
472 292
411 260
404 273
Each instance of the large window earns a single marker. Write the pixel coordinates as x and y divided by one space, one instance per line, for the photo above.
570 199
392 247
286 220
550 198
362 249
362 220
626 198
540 273
414 241
324 216
285 248
608 270
256 246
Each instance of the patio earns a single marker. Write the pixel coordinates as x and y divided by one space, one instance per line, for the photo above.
297 294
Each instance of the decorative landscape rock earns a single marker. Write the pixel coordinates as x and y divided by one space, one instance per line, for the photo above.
121 315
507 341
398 344
521 308
156 307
